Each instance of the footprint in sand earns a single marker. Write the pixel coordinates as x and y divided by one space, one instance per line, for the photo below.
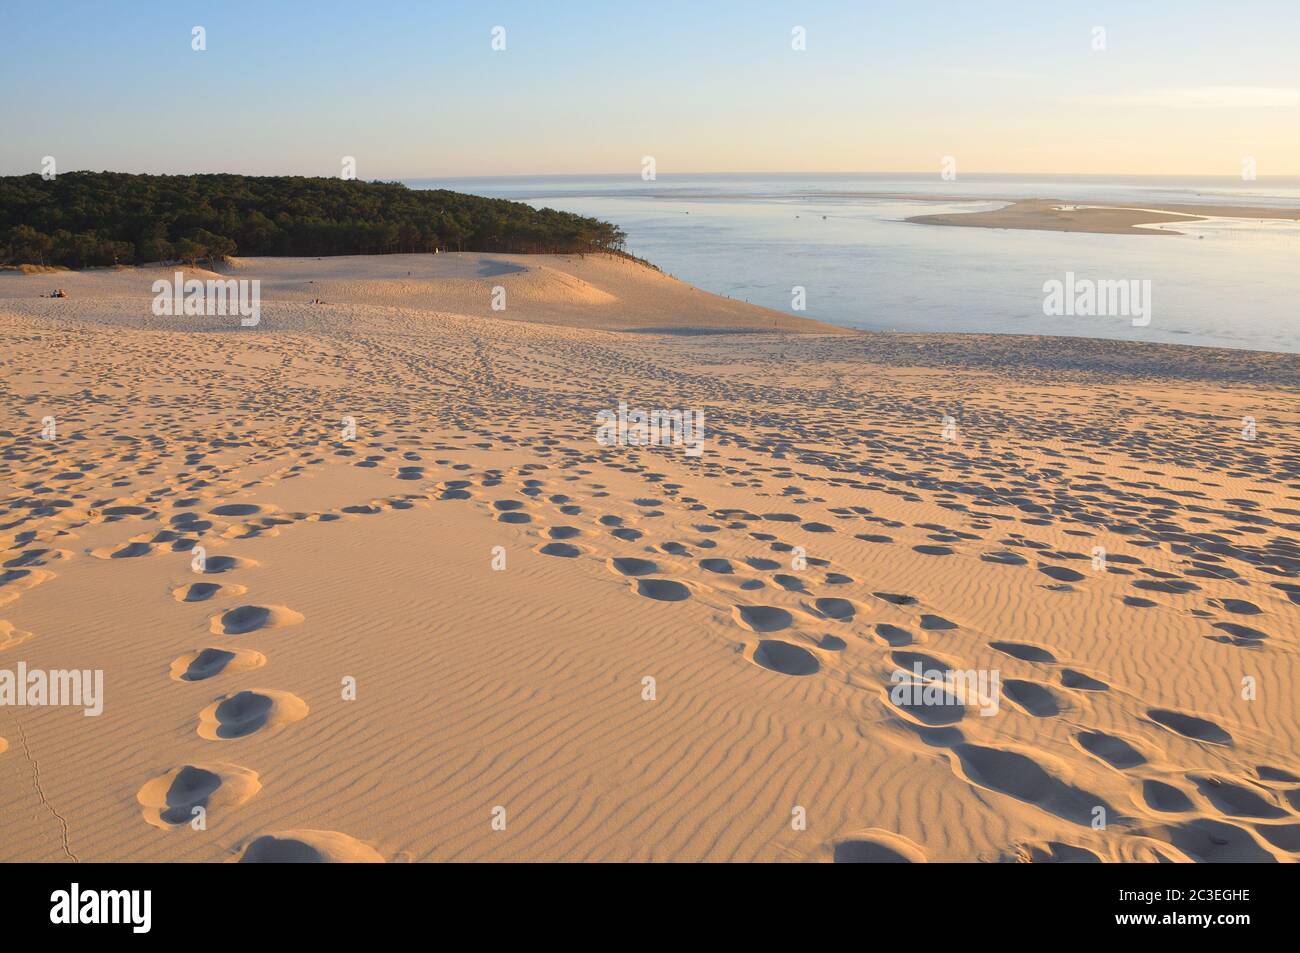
563 550
1039 700
203 591
937 623
908 661
36 557
781 517
777 656
308 847
1189 726
213 565
236 509
1169 587
929 702
720 566
1235 799
1278 775
119 512
631 566
170 800
1004 558
242 714
661 590
454 490
505 507
1060 573
1285 836
895 598
210 662
1291 590
762 618
1209 841
893 635
838 610
14 582
1024 651
1165 798
1115 751
1237 634
1077 680
243 619
11 636
875 846
1021 777
132 550
1236 606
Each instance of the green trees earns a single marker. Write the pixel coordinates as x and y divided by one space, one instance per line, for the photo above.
102 218
27 245
189 251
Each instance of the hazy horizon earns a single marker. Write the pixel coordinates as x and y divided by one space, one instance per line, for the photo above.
755 173
419 90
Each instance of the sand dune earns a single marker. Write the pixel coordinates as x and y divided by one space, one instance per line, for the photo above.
472 632
591 291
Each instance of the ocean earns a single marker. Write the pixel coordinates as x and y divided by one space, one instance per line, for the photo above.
843 240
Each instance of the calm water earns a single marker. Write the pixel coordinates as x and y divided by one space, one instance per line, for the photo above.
1227 282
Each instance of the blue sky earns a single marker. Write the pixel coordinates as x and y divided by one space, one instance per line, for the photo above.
414 89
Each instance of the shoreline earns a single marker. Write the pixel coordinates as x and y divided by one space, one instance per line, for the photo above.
1056 215
611 294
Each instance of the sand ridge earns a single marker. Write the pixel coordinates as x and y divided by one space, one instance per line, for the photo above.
585 291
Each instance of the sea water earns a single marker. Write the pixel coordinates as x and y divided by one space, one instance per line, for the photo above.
844 240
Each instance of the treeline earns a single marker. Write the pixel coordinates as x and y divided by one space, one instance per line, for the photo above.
79 219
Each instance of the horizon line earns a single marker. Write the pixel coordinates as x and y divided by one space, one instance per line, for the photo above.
766 172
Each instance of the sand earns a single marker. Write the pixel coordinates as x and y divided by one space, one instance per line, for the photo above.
1058 216
472 632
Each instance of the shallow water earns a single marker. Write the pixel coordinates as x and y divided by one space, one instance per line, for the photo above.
1224 282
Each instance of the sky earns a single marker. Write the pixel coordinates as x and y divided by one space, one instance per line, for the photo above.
415 89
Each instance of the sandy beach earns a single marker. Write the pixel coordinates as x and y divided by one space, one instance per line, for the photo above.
363 584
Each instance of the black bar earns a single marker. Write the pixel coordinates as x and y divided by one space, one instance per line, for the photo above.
301 902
